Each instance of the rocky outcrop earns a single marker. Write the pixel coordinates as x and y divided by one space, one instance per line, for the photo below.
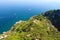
54 17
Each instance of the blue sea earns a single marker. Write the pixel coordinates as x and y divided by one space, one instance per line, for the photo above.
11 13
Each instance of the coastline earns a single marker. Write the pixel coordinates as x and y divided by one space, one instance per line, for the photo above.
6 34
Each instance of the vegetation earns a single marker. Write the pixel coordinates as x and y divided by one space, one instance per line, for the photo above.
36 28
54 17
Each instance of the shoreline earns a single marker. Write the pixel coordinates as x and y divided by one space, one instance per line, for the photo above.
6 34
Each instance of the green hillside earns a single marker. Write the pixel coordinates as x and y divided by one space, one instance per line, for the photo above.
38 27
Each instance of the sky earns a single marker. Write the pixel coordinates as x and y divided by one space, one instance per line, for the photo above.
38 3
30 1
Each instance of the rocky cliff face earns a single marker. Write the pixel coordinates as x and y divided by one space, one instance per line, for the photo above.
54 17
40 27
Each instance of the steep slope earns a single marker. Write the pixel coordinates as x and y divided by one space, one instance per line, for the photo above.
54 17
36 28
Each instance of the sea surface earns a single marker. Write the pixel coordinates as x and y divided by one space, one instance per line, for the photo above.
11 13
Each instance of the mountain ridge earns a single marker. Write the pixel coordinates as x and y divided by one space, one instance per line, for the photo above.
54 17
38 27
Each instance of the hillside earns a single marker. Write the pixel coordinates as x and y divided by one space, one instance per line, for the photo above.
54 17
39 27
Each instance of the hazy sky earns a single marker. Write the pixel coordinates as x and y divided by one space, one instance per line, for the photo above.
30 1
43 3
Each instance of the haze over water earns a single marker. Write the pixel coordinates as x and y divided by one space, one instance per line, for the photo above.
12 11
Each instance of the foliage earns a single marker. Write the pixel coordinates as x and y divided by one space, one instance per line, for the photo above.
36 28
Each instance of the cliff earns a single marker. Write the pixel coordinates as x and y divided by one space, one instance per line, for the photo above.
39 27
